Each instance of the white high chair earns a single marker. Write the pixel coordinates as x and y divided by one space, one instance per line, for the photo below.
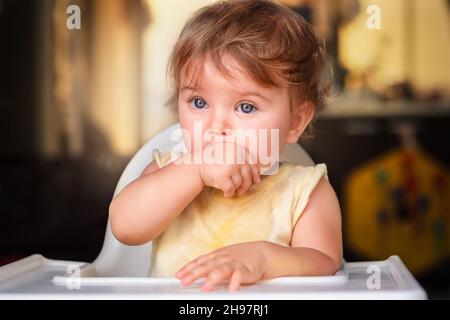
120 271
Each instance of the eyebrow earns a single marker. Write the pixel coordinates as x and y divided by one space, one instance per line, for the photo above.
250 93
190 88
255 94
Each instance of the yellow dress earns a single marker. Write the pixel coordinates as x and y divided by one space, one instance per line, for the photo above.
267 211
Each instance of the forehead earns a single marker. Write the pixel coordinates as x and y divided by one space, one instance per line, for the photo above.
201 71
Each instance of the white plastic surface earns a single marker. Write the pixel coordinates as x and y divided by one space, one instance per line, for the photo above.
36 277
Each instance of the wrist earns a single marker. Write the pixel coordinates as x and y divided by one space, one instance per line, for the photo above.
266 249
193 168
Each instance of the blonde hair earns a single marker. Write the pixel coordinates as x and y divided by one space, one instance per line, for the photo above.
269 41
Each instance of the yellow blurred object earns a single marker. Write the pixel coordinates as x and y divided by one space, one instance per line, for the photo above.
400 204
411 45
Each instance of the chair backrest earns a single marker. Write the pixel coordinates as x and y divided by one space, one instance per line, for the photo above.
117 259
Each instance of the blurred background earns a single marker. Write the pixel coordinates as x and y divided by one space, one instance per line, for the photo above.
75 105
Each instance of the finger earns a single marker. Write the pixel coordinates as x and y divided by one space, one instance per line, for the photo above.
228 188
189 266
236 279
256 173
246 173
218 274
199 271
237 179
203 269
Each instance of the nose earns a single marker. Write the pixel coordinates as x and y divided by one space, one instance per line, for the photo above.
220 124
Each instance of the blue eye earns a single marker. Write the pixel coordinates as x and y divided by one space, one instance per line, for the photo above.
247 107
199 103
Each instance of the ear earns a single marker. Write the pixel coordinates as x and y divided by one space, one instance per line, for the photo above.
300 119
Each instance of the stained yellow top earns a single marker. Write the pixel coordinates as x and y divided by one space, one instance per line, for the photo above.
267 211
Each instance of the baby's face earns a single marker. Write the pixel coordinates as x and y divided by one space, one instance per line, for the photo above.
229 108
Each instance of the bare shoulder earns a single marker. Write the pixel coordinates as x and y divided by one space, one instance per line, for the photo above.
323 204
324 195
319 225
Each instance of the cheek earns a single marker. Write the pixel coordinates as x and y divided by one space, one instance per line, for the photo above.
277 125
183 116
187 126
262 138
191 122
282 121
187 119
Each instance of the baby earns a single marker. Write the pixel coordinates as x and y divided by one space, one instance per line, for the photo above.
238 66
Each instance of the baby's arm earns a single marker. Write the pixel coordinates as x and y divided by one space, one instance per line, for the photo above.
316 249
145 207
316 246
